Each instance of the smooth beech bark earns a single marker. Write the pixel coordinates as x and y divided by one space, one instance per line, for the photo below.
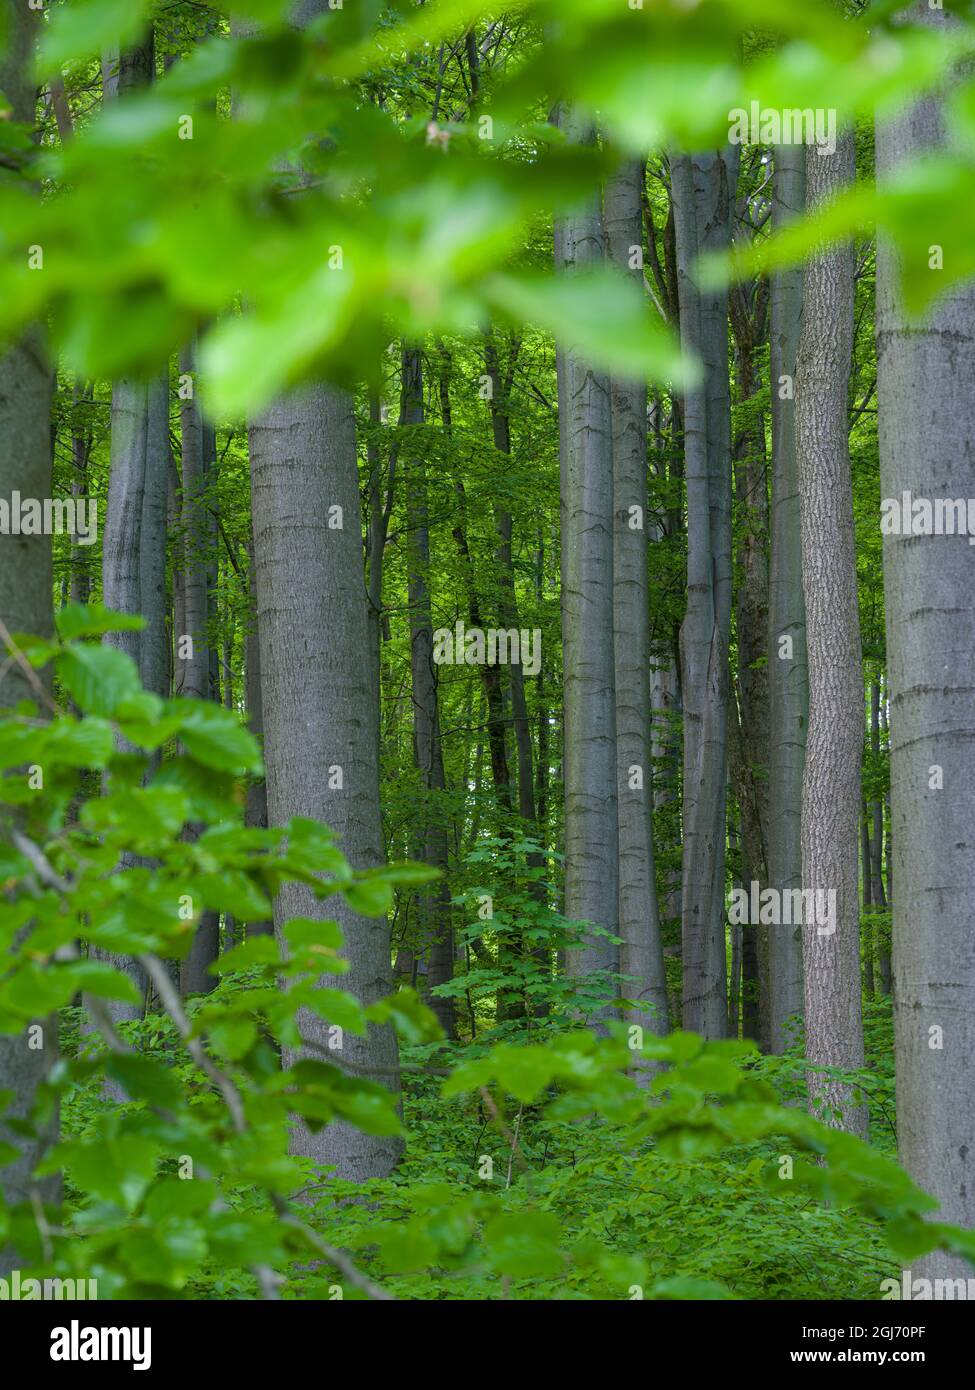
641 950
192 644
589 756
703 188
26 606
320 710
434 902
926 448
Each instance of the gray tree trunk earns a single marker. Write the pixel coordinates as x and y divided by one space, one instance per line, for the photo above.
195 657
834 748
788 679
641 949
255 807
320 709
192 644
121 535
703 193
927 446
153 596
26 605
434 903
589 750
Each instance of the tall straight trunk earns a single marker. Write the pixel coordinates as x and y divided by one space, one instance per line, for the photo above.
192 644
834 748
866 930
876 806
641 949
320 740
926 448
81 446
788 681
380 507
703 191
121 542
749 703
194 666
131 505
121 537
153 596
122 588
490 675
667 754
589 748
735 934
255 806
26 605
508 603
542 716
435 908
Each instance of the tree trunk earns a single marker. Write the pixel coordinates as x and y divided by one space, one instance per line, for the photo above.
788 682
192 644
437 933
641 950
153 596
589 747
703 188
749 708
319 709
26 606
926 447
834 749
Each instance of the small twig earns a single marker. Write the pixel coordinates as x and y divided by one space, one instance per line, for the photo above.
32 677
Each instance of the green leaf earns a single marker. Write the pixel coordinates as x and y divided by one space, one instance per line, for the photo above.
104 981
85 28
601 316
76 620
216 738
117 1169
372 897
524 1244
143 1078
98 678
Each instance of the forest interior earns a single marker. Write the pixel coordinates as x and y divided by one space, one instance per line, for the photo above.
487 650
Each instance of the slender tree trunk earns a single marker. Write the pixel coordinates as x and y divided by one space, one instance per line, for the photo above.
926 444
834 748
788 682
876 806
121 537
26 605
319 708
255 807
81 444
749 705
641 949
435 907
589 748
153 596
192 643
866 930
703 188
